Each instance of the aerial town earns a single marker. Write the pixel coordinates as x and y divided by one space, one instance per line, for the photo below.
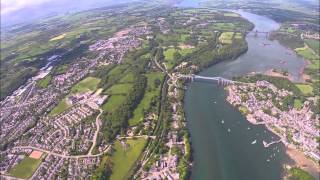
69 141
162 90
296 127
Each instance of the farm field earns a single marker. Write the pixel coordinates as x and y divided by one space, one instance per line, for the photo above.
124 158
25 168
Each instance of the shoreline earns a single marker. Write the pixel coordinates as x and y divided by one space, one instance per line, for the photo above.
296 157
299 159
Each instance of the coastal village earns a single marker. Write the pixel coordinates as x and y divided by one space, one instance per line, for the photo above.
295 127
68 142
59 127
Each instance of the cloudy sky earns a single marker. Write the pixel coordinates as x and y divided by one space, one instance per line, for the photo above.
20 11
8 6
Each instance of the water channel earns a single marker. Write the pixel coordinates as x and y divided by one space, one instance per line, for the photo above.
222 139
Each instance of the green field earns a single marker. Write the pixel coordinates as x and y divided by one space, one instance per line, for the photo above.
224 26
25 168
299 174
62 106
231 14
307 53
226 37
314 45
87 84
124 159
128 78
297 104
151 92
305 89
119 89
169 53
113 102
184 37
185 51
238 36
44 82
58 37
243 110
118 70
168 39
61 69
169 60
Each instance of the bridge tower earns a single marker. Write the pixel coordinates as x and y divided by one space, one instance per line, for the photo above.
192 77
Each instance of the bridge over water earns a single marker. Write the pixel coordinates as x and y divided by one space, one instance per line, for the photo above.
219 80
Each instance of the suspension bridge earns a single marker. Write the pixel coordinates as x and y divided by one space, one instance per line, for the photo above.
219 80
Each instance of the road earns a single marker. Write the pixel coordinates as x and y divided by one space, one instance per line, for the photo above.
142 136
61 155
96 133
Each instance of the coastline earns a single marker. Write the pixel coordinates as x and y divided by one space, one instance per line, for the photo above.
300 160
270 72
297 157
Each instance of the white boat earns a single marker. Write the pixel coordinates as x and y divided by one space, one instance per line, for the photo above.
264 143
222 121
253 142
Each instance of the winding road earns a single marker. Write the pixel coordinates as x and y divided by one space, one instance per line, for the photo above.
98 123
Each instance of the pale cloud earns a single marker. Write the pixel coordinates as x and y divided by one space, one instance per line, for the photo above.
8 6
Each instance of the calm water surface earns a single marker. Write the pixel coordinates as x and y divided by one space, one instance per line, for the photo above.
221 137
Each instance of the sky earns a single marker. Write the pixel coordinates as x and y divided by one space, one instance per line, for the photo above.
9 6
24 11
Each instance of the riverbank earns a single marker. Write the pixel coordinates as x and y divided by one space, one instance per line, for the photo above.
273 73
219 133
300 160
259 103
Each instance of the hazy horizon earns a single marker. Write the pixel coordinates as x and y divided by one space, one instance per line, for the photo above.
22 11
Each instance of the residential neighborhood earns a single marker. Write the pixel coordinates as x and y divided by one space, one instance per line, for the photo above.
297 127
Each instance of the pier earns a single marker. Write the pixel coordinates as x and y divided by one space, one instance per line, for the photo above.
265 144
